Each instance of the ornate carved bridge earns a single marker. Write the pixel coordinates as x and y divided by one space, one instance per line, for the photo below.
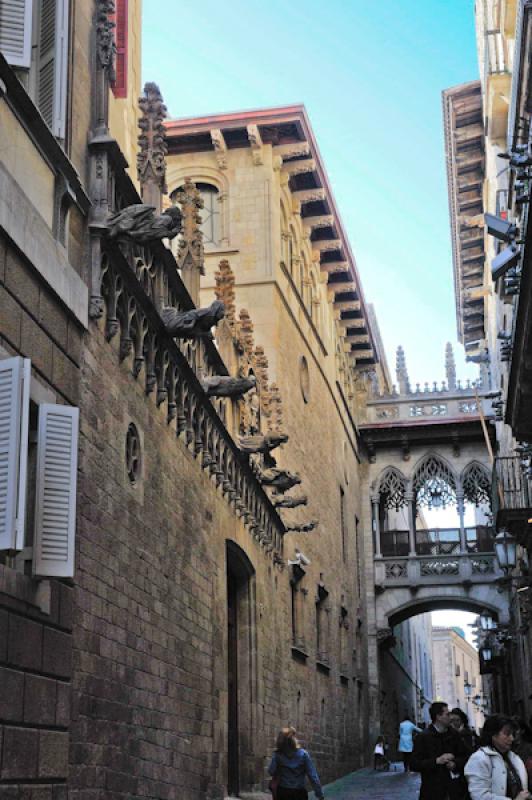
430 487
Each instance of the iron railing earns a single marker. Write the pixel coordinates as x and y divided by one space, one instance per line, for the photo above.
438 541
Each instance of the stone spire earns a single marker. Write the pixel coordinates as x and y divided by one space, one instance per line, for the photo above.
151 158
246 331
450 366
402 372
190 255
225 290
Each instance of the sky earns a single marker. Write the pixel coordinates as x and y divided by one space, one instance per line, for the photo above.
370 75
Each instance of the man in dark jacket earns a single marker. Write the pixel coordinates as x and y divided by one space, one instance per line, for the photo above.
440 755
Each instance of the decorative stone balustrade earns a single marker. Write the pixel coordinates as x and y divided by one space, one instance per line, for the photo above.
435 404
135 282
429 570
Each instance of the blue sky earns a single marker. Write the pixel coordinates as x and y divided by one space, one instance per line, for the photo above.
370 75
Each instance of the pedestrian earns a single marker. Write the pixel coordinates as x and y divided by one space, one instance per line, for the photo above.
523 746
289 767
379 754
493 772
439 755
460 723
406 740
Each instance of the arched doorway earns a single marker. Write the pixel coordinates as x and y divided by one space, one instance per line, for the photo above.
241 664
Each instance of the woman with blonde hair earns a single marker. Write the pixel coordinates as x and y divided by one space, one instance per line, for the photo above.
289 767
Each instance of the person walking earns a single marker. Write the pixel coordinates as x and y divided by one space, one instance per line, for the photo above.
289 767
523 746
439 755
406 740
460 722
379 754
494 772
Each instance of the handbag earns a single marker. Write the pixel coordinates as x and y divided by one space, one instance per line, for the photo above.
274 785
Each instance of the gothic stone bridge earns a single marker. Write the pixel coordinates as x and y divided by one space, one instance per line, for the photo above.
428 449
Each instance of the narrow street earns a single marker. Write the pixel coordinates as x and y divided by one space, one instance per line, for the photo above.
367 784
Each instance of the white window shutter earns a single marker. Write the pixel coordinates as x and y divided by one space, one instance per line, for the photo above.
52 66
14 413
55 501
15 32
61 69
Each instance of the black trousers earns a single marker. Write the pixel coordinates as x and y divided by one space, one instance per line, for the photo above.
291 794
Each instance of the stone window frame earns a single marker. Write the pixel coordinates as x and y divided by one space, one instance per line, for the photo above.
199 174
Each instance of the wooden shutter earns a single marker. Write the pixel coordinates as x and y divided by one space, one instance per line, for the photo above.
14 414
52 64
15 32
121 35
55 501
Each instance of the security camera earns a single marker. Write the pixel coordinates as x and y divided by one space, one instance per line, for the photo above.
507 258
500 228
299 560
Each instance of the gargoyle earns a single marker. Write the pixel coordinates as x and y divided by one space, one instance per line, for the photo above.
139 223
279 479
194 323
262 444
227 386
305 527
291 502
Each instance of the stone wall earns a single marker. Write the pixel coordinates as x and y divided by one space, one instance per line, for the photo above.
35 617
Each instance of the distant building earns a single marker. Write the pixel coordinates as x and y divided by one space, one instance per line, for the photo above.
457 678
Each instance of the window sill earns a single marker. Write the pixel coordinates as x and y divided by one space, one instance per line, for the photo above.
323 666
299 653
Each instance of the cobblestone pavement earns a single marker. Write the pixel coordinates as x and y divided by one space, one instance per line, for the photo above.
367 784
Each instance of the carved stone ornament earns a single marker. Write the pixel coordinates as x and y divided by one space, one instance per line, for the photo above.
191 241
140 224
105 39
262 444
225 289
151 159
194 323
291 502
280 479
305 527
227 386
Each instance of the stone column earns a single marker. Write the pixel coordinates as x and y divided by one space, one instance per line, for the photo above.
460 507
409 497
376 524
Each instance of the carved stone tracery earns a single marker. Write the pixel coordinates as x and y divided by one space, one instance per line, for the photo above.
151 158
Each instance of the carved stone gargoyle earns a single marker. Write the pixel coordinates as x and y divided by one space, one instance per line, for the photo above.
279 479
305 527
194 323
227 386
291 502
262 444
140 224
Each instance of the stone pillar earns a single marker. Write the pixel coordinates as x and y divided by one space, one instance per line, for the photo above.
151 159
190 256
376 524
410 497
460 507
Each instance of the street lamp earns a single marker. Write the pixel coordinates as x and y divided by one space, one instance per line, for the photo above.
486 621
486 652
506 551
467 689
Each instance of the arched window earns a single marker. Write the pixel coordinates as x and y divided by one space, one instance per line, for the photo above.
210 214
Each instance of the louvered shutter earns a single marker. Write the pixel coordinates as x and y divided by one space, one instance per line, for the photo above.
55 501
121 22
14 414
15 32
52 65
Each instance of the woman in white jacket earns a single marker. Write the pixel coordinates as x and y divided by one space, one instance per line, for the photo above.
494 772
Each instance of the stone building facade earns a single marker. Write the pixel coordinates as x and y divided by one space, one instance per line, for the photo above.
194 608
457 679
502 292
